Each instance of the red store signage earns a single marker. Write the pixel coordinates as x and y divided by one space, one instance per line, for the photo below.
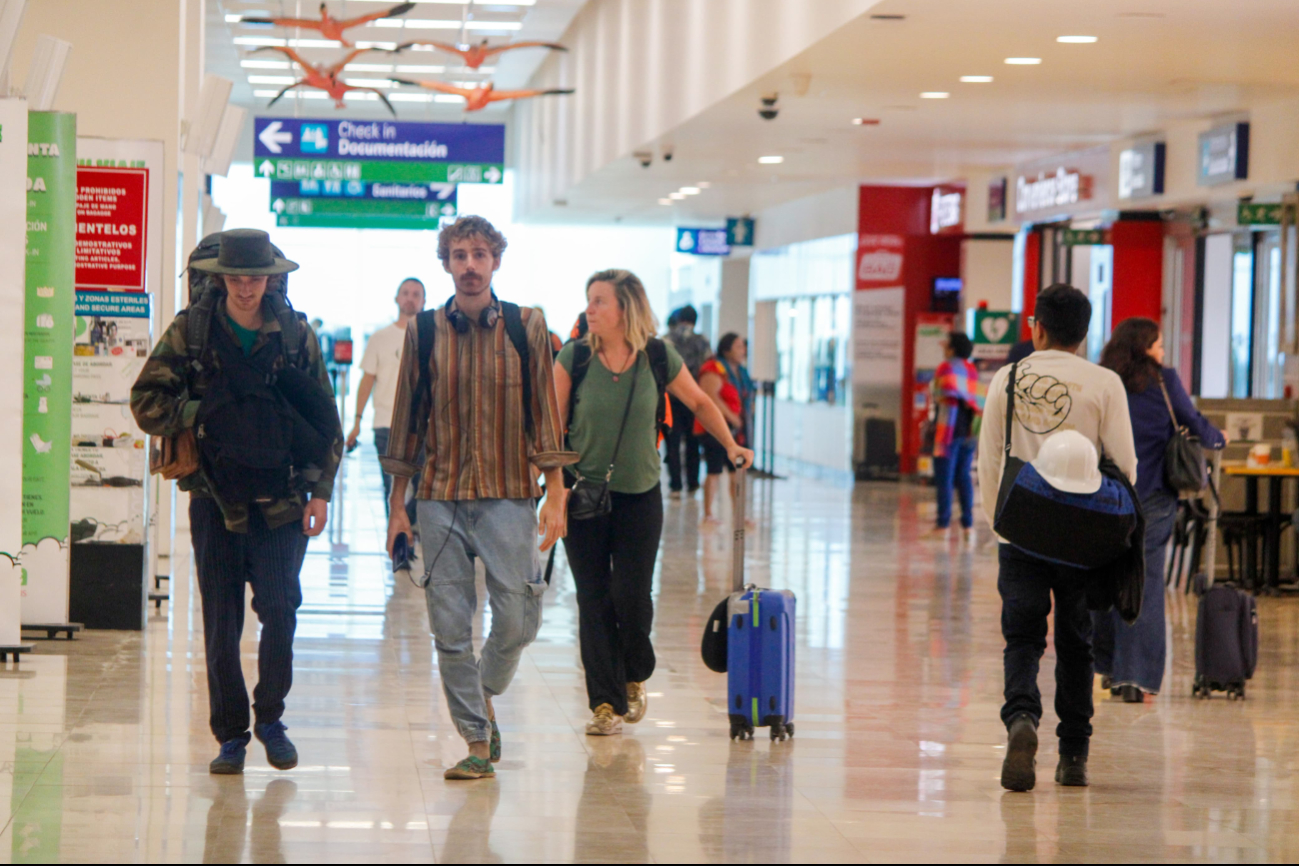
879 261
111 219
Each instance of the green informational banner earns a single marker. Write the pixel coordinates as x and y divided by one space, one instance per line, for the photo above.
1250 214
364 207
315 221
47 378
375 171
994 333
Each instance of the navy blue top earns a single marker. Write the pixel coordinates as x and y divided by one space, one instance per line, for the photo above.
1152 428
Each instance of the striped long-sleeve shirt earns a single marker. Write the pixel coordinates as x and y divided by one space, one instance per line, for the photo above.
474 435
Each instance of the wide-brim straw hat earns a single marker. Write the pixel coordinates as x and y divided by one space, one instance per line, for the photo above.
247 253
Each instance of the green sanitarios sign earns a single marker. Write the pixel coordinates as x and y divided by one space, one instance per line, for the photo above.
381 171
1250 214
47 365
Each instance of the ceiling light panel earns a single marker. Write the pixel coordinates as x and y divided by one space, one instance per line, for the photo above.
1076 40
690 190
459 2
264 64
437 24
1023 61
271 79
935 94
976 79
771 160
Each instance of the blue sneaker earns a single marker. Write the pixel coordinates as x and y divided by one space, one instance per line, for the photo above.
279 751
231 760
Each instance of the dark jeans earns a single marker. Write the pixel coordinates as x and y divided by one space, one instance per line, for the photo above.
1133 655
682 435
270 560
1026 585
612 559
381 435
955 467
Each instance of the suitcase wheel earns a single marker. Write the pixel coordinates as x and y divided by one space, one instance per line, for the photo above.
777 732
741 731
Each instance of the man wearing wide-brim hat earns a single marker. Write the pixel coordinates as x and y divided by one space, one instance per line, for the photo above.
248 525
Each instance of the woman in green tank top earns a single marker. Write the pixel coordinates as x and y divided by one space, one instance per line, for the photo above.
612 556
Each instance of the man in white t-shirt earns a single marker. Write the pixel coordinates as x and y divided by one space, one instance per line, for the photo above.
1055 390
380 365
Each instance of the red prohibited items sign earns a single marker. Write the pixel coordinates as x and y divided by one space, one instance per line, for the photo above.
111 220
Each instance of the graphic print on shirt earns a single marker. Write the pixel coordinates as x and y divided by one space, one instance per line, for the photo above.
1042 403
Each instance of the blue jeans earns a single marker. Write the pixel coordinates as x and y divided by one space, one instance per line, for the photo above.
955 467
503 533
1133 655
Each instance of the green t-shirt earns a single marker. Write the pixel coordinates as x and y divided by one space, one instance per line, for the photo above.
598 413
245 337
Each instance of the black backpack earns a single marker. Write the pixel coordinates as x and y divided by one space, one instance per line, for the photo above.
657 352
263 424
426 329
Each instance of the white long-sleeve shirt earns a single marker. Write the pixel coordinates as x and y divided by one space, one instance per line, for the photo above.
1053 391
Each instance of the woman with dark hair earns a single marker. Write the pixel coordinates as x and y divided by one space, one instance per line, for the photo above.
725 379
1131 657
956 392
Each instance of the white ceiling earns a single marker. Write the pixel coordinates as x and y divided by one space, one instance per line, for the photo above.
498 22
1155 62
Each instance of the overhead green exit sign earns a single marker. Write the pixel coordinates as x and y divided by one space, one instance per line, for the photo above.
1250 214
1083 237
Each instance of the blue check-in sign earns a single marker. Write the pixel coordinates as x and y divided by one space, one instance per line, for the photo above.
703 242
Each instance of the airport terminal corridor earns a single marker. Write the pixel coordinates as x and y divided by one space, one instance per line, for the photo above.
895 759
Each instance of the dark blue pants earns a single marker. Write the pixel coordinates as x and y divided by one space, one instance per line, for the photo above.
1026 585
1134 655
270 560
682 435
955 468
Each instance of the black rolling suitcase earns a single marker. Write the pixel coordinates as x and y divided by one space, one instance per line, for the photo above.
1226 628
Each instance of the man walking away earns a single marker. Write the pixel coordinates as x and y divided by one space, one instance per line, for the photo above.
1054 390
241 374
476 390
379 364
694 350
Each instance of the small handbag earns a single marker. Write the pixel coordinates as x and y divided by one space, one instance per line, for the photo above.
588 498
1184 469
174 457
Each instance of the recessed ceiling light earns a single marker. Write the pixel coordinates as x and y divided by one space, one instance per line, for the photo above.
935 94
865 121
976 79
665 201
690 190
1076 40
1023 61
771 160
676 196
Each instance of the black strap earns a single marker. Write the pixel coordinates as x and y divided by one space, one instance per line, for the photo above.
581 364
519 337
550 563
626 413
1010 402
425 331
657 352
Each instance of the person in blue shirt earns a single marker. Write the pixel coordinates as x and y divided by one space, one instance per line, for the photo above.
1131 657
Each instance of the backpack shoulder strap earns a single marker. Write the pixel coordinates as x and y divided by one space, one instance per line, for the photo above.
198 325
291 325
426 331
518 335
1010 402
657 351
581 364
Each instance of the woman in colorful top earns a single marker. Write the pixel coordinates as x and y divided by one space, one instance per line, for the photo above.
956 387
726 380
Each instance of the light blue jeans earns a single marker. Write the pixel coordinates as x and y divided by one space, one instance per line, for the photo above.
503 533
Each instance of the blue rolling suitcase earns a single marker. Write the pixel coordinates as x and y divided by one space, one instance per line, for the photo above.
759 648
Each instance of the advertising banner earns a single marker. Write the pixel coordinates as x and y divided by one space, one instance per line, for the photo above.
879 262
47 385
112 205
13 214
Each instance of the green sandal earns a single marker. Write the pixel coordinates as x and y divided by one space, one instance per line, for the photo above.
494 745
471 768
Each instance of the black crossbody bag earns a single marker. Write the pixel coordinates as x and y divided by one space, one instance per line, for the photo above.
589 498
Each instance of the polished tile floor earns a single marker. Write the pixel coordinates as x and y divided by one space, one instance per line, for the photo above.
104 742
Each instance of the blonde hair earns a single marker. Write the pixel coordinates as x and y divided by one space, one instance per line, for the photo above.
633 302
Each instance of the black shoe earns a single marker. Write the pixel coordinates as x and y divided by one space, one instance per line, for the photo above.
1133 695
1107 682
231 760
1019 770
1071 772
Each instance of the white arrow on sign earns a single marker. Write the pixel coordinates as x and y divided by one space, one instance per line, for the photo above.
278 205
272 137
443 190
492 174
266 169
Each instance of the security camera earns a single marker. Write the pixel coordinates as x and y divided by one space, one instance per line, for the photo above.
768 110
645 158
667 153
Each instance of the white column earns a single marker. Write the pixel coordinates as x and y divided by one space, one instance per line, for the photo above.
733 299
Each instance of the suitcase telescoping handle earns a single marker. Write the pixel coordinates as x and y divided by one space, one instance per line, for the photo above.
1215 509
737 544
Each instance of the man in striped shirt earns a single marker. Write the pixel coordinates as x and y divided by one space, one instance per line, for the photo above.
477 493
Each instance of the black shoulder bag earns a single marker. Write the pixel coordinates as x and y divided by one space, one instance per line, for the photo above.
1183 455
588 498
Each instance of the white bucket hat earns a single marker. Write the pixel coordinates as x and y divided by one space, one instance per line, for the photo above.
1068 462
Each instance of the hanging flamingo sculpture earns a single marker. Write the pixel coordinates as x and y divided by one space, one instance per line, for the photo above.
478 98
475 55
326 77
329 26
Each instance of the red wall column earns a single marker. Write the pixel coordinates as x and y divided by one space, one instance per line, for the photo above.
1138 282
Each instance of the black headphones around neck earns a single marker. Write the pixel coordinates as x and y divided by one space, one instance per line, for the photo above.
459 321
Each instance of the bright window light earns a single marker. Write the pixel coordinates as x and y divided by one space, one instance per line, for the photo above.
446 97
665 201
436 24
369 67
369 82
771 160
976 79
1023 61
429 69
690 190
232 19
410 97
1076 40
935 94
294 94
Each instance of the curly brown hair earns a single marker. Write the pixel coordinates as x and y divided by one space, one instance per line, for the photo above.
468 227
1127 353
